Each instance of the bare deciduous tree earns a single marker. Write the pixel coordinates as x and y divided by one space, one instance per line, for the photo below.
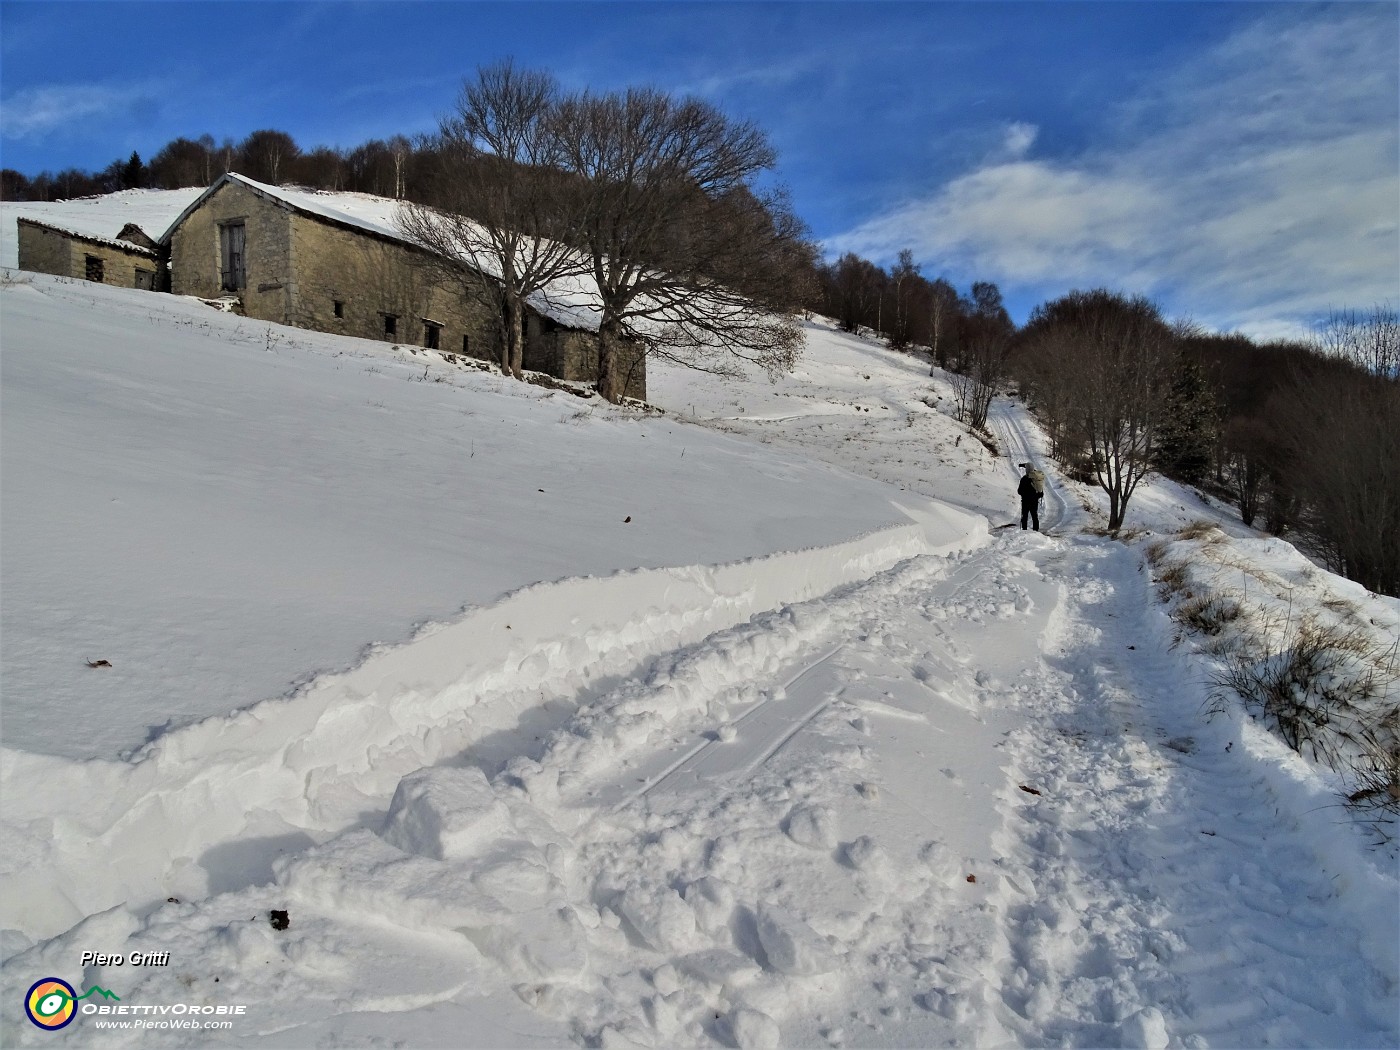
1369 340
502 221
183 162
267 155
904 282
401 149
942 316
323 168
983 349
857 285
1339 433
1106 362
687 255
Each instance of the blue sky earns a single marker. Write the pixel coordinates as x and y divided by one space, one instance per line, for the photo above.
1239 162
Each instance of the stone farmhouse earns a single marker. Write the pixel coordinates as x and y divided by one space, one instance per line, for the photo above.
335 262
131 259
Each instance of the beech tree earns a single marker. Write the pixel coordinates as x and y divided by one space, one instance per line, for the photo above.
183 162
904 286
689 256
501 221
982 353
857 285
267 156
1105 364
323 168
1338 430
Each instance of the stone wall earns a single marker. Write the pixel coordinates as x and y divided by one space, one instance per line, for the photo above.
305 271
373 277
196 266
634 368
569 353
44 250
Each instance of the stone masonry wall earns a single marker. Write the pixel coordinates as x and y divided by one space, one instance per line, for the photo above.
315 274
194 252
572 354
49 251
371 277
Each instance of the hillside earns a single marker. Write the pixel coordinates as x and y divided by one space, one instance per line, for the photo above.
549 723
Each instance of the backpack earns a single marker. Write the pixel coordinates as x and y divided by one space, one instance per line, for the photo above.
1037 477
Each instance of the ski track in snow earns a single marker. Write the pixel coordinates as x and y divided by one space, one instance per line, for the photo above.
1006 420
713 854
927 796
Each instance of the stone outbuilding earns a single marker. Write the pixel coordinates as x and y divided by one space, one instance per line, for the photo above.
131 259
335 262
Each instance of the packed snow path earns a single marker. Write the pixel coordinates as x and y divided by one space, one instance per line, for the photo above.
966 801
1006 421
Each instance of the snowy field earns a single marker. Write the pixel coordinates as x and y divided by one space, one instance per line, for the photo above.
805 753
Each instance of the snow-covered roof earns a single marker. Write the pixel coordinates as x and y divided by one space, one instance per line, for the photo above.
96 218
111 242
570 302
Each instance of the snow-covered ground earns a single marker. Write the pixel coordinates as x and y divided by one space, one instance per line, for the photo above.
803 754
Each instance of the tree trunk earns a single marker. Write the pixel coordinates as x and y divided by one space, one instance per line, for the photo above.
512 335
610 378
513 353
1115 511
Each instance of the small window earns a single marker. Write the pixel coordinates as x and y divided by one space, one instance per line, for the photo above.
339 307
432 335
146 279
94 269
391 326
466 344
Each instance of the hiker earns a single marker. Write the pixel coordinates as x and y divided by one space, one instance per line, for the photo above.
1031 494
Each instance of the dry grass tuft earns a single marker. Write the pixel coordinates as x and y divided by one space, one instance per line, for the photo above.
1199 530
1207 614
1171 577
1320 688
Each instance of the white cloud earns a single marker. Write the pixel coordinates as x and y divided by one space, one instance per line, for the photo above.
768 77
1024 221
1019 138
1254 187
38 111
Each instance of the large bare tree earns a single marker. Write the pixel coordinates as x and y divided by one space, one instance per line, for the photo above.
1105 362
500 220
688 256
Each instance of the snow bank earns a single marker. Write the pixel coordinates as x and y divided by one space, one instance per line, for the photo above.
101 833
221 508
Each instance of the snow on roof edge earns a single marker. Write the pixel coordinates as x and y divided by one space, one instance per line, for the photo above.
111 242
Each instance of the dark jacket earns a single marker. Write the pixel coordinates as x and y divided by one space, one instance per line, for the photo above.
1027 490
